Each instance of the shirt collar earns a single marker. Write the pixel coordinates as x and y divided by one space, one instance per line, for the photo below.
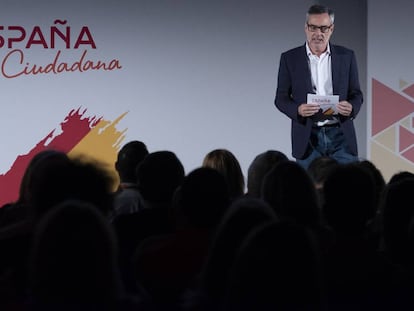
309 52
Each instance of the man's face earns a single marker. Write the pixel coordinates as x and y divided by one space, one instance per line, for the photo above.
318 30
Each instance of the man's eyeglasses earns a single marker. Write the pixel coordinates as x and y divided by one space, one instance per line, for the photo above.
323 29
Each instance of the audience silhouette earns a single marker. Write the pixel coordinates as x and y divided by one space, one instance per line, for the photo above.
319 170
356 274
227 164
241 218
167 265
127 198
16 211
289 190
277 268
73 261
258 169
53 179
333 237
397 218
158 177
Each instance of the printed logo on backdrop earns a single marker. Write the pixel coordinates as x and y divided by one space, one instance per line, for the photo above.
18 39
392 130
63 49
79 134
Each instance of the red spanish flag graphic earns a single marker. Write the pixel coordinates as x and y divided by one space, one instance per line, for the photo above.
80 135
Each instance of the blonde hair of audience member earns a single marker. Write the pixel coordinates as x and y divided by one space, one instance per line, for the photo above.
227 164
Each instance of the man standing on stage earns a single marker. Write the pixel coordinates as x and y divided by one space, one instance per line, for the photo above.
324 69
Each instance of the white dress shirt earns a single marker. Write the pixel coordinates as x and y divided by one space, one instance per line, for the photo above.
321 73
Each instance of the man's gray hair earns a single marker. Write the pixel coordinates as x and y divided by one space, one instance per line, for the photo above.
320 9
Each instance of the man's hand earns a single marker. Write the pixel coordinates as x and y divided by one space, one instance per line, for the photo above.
308 110
344 108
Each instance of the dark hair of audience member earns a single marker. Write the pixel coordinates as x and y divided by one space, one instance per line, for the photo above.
277 268
73 258
397 214
17 211
289 190
227 164
258 169
60 179
202 198
130 155
158 177
241 218
349 193
318 170
400 175
410 247
379 180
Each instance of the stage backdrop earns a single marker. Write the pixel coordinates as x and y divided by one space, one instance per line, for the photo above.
391 85
188 76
